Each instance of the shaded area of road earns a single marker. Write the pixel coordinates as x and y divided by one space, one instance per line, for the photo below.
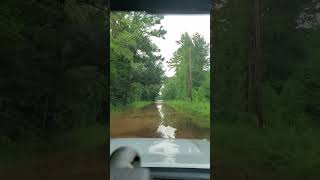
156 120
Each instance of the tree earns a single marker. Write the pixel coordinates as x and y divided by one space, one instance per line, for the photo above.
52 69
136 70
262 53
255 71
191 63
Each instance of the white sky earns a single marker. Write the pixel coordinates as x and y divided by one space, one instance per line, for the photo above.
175 25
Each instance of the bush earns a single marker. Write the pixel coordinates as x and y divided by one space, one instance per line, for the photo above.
197 109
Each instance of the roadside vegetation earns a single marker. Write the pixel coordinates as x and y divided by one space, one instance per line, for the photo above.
266 89
200 110
136 71
53 79
133 105
274 152
188 91
75 140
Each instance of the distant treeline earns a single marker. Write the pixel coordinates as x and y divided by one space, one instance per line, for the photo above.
192 70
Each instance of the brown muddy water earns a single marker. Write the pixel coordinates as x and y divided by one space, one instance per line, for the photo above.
154 121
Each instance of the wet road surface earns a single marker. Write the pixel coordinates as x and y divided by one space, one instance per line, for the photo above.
153 121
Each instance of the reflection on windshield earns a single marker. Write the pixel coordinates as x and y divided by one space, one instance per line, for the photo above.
165 131
166 148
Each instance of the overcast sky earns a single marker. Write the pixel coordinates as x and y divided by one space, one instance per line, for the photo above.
175 25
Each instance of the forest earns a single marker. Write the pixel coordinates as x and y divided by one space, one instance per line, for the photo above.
264 85
52 69
266 88
53 85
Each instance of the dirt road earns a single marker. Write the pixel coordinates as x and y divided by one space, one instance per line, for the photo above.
156 120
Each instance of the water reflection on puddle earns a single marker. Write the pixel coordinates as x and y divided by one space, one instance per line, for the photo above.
165 131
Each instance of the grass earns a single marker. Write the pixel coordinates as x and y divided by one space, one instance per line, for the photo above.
114 108
81 138
75 139
199 110
139 104
133 105
292 152
243 151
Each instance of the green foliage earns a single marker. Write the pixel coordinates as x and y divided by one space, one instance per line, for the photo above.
176 87
77 139
135 71
170 90
139 104
202 93
200 111
288 57
290 89
284 150
82 138
230 52
52 66
134 105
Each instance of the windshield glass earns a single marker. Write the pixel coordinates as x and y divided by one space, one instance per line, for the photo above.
160 75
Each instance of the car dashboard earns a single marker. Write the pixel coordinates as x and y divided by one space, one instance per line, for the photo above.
179 174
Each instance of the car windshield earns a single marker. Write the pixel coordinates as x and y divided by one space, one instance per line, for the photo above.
160 75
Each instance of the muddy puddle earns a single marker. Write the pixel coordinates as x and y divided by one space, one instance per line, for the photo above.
156 120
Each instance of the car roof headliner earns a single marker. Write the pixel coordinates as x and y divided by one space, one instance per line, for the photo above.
163 6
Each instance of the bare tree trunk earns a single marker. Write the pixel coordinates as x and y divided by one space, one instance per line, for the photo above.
255 67
190 76
258 63
250 74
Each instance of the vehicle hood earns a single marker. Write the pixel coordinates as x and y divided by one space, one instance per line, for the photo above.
160 152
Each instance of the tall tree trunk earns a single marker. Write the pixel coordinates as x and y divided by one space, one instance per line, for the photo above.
259 72
190 76
255 67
